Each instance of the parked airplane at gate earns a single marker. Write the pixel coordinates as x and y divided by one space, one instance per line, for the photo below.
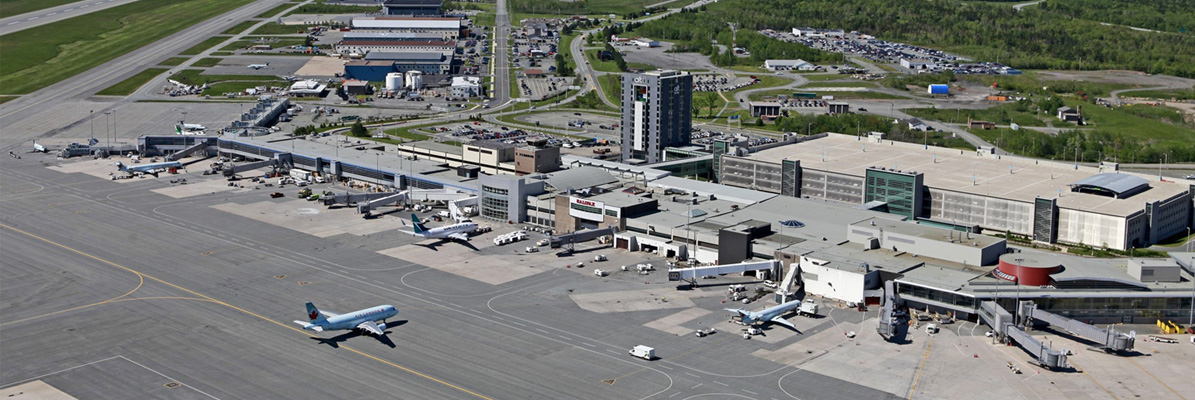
361 320
151 169
768 315
454 232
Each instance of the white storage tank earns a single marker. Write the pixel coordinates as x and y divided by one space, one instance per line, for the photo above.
414 80
394 81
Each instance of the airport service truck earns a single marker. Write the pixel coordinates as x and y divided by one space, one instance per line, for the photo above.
644 352
808 308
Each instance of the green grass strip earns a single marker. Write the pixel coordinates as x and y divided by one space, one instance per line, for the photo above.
128 86
56 51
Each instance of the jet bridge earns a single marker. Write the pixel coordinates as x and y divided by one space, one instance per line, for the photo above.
1002 322
367 206
230 170
888 315
691 274
353 198
1110 339
199 145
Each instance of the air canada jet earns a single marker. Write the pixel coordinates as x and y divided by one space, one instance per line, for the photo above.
365 321
768 315
151 169
459 231
259 66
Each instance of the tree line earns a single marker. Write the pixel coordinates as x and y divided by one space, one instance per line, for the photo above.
1034 38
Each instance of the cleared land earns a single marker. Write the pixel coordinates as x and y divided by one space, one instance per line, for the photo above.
128 86
274 11
275 28
53 52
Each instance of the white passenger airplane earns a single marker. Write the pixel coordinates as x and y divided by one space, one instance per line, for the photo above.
151 169
259 66
459 231
38 148
768 315
361 320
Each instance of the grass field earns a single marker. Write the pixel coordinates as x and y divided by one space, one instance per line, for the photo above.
1001 114
604 66
10 8
204 45
128 86
282 41
274 11
275 28
1188 94
172 61
207 62
53 52
612 87
321 8
406 133
5 99
193 77
840 84
749 68
825 77
241 27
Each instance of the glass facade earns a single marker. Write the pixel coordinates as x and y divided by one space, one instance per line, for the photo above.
494 203
902 191
1098 309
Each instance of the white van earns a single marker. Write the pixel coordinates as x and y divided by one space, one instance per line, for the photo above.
644 352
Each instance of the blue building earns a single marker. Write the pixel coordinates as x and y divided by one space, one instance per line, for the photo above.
415 8
374 71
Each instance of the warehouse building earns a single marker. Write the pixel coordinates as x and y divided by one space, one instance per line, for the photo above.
377 64
416 8
447 28
363 47
1048 202
789 65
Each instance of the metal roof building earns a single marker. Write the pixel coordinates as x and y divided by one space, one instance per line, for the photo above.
1119 185
1047 201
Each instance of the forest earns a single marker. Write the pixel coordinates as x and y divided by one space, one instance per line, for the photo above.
1162 15
1034 38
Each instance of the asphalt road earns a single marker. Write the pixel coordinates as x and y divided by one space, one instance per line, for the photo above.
21 22
500 96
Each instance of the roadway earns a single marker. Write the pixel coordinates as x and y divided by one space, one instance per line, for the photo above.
158 291
44 112
500 65
41 17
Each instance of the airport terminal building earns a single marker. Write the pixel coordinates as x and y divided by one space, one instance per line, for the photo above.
1045 201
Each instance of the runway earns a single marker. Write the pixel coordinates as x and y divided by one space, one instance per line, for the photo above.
113 291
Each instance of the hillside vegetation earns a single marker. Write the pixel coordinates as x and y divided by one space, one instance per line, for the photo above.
1035 38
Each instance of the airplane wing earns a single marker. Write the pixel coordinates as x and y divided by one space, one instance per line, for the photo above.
371 327
304 324
784 322
459 236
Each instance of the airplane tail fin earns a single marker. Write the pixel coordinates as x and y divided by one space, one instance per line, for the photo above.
120 166
314 315
419 228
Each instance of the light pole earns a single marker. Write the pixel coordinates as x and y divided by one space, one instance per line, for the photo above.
377 166
106 132
91 120
114 125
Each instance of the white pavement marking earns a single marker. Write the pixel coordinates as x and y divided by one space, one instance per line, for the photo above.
694 387
564 337
673 395
60 371
720 383
665 367
691 374
748 391
590 345
167 377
